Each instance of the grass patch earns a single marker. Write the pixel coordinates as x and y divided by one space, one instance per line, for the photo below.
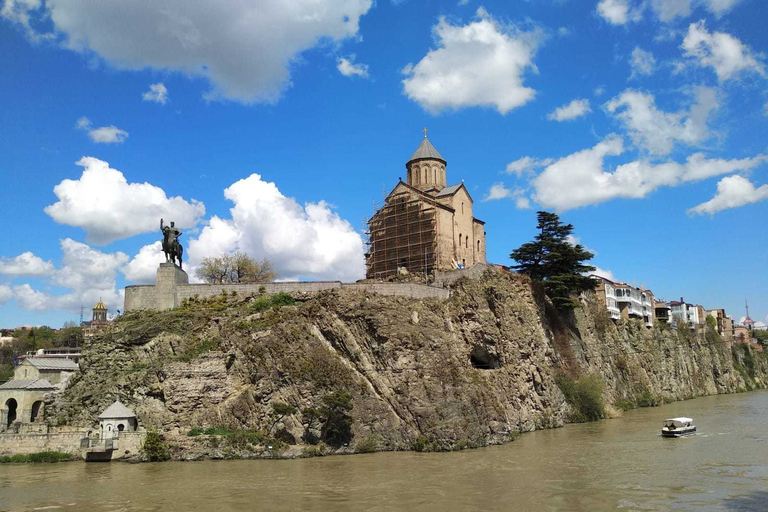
585 396
368 445
36 457
198 349
277 300
648 399
624 405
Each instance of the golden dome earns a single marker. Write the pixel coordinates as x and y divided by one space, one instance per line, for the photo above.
100 306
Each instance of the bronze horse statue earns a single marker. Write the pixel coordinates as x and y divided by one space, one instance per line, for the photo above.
171 246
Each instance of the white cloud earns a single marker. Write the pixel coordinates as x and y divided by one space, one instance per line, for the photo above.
580 179
573 110
478 64
602 272
667 10
575 240
142 269
728 56
599 90
309 242
157 93
719 7
6 293
108 208
642 62
618 12
732 192
88 274
104 134
245 49
657 131
347 67
499 191
527 165
26 264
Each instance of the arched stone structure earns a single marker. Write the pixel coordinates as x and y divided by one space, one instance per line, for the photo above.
38 412
10 412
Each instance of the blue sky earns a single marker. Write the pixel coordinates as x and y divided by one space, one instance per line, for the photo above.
273 127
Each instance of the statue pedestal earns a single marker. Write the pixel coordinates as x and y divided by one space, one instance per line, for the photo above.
169 276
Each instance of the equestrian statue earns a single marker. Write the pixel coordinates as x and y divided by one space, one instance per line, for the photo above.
171 246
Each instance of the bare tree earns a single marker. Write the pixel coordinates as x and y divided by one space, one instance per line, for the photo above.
235 268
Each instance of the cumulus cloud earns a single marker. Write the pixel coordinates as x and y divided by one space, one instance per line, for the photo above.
618 12
347 67
108 208
602 272
720 7
642 62
88 274
499 191
527 165
6 293
732 192
479 64
728 56
245 49
142 269
573 110
157 93
667 10
657 131
309 242
581 179
104 134
26 264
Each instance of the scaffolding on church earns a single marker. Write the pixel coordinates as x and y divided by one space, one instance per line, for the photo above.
402 234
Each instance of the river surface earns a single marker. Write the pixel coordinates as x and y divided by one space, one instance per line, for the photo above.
618 464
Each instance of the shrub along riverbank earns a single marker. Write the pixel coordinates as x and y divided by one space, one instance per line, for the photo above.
36 457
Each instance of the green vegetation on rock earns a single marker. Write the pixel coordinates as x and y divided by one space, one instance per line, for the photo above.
36 457
585 396
155 448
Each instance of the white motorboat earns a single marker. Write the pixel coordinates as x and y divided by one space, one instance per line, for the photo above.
678 427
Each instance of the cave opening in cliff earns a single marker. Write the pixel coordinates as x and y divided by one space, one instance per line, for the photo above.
484 360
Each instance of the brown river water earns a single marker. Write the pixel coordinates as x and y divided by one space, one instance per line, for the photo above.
618 464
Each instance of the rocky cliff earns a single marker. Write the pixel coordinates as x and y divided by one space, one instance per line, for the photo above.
471 370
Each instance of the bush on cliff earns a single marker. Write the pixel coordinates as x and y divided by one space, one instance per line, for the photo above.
155 449
585 396
333 417
36 457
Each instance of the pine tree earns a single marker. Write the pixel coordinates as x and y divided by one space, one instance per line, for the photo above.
553 260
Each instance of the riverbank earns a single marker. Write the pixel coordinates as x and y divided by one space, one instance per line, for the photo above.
598 466
346 371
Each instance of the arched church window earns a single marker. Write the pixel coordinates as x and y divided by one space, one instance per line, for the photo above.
466 243
462 207
459 239
478 246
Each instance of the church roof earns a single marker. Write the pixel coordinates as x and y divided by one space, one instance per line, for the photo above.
426 150
100 305
449 191
116 410
53 363
30 384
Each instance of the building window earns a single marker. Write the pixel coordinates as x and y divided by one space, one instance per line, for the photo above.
462 207
478 246
459 239
466 242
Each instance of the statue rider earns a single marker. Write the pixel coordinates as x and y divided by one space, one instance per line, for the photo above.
171 246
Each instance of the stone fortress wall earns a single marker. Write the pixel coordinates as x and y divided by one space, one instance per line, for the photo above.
172 287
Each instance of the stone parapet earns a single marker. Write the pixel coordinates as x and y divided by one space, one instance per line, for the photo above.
172 289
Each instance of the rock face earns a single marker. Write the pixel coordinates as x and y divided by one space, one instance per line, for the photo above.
471 370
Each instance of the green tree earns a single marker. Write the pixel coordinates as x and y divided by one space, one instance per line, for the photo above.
554 261
337 422
69 336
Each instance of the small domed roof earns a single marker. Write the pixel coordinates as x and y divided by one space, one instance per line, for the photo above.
100 305
116 410
426 150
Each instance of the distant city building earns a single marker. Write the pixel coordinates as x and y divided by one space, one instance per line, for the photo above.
692 314
724 323
662 311
99 320
625 301
424 224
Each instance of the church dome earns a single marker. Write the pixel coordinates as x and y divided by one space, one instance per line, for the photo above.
425 151
100 306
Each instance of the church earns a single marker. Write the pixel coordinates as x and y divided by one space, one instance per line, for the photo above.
424 224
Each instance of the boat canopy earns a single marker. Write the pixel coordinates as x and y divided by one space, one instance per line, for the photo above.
679 422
